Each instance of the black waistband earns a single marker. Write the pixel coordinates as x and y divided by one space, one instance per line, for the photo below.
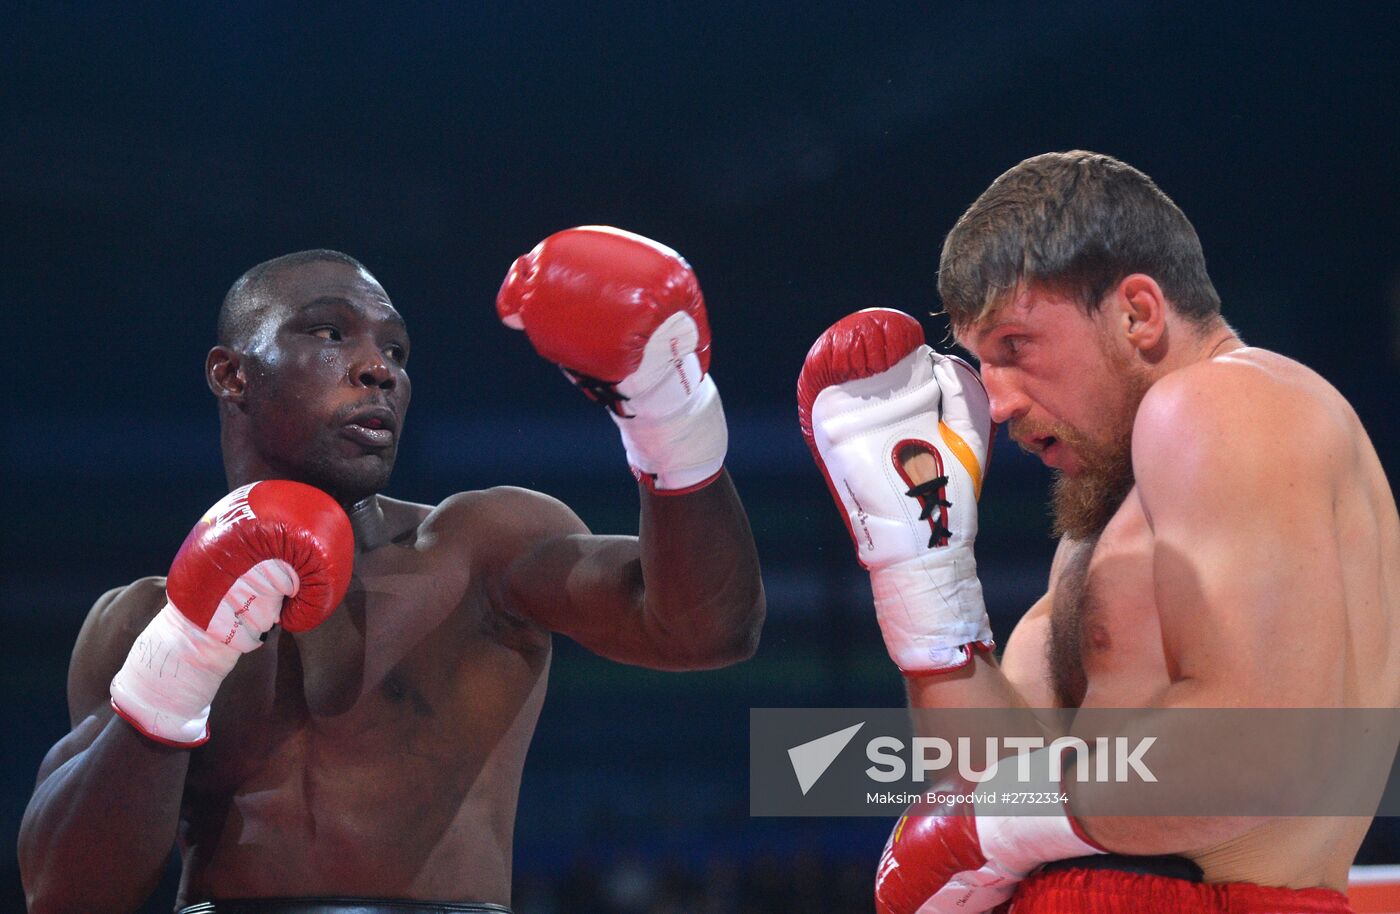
1171 867
340 906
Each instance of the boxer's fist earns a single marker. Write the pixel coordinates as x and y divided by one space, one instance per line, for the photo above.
624 318
590 298
902 435
267 552
932 854
956 858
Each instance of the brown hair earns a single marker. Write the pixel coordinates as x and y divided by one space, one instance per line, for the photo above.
1077 222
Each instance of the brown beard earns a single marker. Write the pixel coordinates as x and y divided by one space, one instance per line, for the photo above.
1082 505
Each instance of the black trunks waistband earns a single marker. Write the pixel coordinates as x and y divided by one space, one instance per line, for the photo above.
1168 866
341 906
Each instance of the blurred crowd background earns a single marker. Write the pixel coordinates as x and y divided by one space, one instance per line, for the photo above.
806 158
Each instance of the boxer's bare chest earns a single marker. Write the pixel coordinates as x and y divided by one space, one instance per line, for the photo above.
1105 645
360 743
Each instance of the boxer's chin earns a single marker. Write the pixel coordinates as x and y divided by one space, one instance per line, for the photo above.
1084 503
351 480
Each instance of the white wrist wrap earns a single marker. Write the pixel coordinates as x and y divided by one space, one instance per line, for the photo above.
169 679
1018 844
167 684
675 428
929 607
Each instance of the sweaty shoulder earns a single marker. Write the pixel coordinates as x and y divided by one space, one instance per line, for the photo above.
108 632
500 523
1248 410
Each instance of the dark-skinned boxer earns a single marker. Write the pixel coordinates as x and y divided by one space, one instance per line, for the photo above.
365 754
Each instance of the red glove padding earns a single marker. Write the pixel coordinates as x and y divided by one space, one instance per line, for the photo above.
590 297
624 318
964 858
267 552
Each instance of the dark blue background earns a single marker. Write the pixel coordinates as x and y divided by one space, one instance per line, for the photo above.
806 158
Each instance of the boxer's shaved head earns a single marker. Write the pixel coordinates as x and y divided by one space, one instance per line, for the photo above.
308 341
248 299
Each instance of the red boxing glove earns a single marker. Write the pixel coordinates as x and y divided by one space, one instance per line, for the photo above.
965 856
624 318
267 552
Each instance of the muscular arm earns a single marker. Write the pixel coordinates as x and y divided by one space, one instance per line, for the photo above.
103 817
1238 475
684 595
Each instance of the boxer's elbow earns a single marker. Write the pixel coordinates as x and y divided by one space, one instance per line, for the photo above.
736 639
43 885
57 839
716 634
740 641
49 888
59 895
712 653
46 898
748 634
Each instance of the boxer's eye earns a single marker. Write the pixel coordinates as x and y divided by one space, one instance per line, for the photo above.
326 333
397 353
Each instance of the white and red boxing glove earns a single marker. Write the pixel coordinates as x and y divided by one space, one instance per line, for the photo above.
624 318
902 435
268 552
967 857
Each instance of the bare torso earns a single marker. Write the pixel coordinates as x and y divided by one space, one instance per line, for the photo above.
381 753
1099 640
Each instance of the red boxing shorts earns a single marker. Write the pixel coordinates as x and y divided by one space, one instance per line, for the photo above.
1062 889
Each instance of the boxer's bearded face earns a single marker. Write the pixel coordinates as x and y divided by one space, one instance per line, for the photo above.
327 385
1068 393
1084 501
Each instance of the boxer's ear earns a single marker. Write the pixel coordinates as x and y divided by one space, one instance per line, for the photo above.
1141 311
224 372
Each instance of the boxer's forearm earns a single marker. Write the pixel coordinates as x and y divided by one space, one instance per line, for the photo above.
701 574
979 684
99 829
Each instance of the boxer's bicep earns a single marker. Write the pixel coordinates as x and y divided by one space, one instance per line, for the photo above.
607 601
567 580
578 583
1235 482
550 567
685 606
103 642
592 589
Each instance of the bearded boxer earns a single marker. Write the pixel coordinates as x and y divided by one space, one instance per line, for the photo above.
1227 537
366 753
